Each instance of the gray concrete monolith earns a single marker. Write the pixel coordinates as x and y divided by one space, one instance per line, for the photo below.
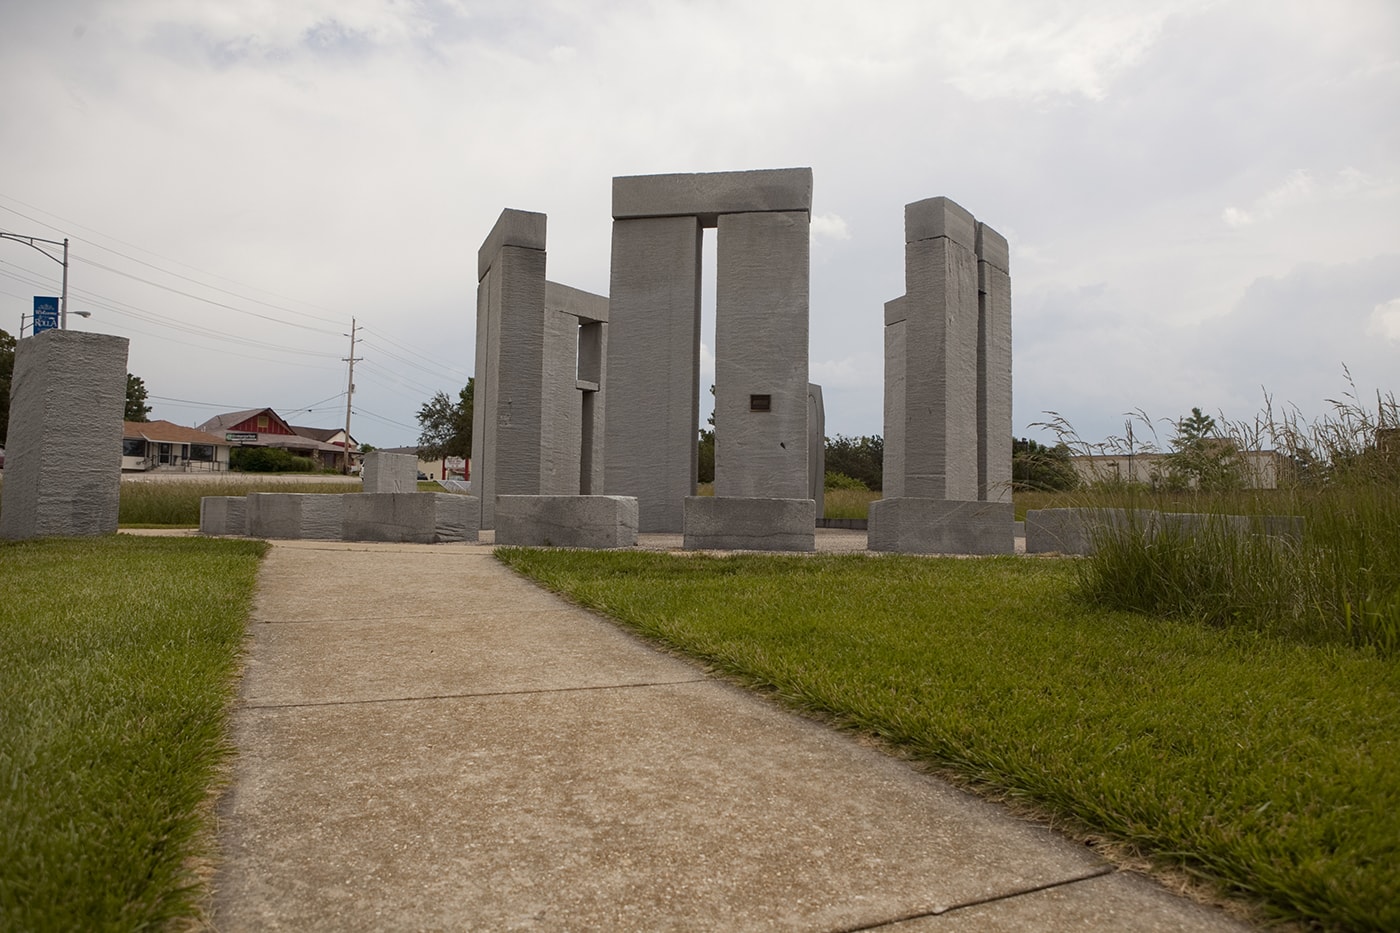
761 397
63 457
948 389
540 360
385 472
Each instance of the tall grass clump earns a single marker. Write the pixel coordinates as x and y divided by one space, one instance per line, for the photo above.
176 504
1335 579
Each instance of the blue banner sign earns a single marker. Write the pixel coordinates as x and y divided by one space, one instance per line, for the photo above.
45 313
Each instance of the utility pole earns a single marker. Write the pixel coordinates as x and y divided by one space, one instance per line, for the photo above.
349 393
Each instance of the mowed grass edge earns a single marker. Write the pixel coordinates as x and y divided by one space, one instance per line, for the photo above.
118 659
1267 768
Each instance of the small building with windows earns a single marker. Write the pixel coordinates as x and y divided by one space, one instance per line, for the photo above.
263 427
164 447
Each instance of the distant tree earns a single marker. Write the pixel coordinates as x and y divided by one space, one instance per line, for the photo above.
136 407
706 454
446 426
7 369
1037 466
1201 458
861 458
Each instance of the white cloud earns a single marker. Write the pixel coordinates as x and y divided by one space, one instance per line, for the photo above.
350 156
829 227
1384 321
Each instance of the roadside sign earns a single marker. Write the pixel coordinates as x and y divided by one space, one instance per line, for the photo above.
240 435
45 313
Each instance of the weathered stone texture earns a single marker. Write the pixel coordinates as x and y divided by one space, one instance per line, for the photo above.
761 350
411 517
567 521
938 526
709 195
727 524
63 455
223 515
653 359
816 448
384 472
319 516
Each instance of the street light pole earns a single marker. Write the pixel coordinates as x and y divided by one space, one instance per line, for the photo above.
33 243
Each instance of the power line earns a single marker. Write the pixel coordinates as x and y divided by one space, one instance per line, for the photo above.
69 224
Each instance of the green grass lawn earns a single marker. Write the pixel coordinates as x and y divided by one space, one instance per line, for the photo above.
117 665
1266 767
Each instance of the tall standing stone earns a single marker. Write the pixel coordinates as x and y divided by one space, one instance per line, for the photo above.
540 347
763 221
947 475
63 456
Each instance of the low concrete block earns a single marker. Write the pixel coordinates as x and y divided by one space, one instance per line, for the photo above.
1069 531
319 516
941 526
223 515
732 523
567 521
387 472
411 517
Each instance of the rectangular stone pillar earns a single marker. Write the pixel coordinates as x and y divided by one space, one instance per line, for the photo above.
896 351
63 456
761 356
816 448
940 437
653 363
994 426
509 434
385 472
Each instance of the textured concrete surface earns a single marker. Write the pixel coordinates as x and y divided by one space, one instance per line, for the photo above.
414 517
709 195
994 424
948 360
761 296
719 523
654 367
513 432
567 521
63 457
816 448
940 374
426 741
295 515
223 515
1066 531
384 472
941 526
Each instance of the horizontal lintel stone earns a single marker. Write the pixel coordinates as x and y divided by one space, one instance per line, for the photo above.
710 194
586 306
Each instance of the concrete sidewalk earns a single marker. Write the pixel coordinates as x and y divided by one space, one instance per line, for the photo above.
427 742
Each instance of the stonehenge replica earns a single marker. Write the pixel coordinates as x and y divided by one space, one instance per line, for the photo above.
586 408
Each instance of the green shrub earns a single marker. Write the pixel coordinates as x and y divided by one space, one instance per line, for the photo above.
269 460
842 481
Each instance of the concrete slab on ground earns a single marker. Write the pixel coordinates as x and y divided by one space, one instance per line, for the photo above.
426 741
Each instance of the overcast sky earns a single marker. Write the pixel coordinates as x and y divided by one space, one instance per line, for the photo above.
1202 198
